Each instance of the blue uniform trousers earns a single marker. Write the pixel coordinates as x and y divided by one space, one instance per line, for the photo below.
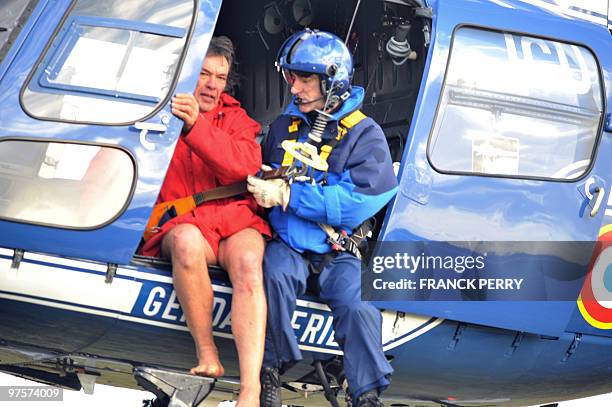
357 324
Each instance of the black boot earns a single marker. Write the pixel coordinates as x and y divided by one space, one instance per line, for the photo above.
369 399
270 387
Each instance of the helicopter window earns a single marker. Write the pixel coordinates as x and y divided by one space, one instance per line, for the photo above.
515 105
63 184
111 62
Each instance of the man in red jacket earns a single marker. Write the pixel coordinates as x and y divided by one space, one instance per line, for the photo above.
217 147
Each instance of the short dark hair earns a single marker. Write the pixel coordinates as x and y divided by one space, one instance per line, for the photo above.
223 46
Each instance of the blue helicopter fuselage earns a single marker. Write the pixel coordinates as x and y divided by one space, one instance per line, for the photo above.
500 124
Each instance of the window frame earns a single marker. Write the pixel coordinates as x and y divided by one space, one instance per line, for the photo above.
59 38
438 111
55 60
109 221
11 40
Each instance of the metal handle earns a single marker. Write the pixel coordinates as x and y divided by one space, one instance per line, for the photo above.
146 127
599 195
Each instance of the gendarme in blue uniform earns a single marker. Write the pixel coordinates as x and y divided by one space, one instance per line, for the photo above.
360 181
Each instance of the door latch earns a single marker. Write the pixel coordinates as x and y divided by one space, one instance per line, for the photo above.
145 128
598 195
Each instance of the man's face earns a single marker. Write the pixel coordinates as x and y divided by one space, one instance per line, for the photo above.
213 78
308 89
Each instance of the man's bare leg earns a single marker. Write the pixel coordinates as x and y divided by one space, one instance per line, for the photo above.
190 253
241 255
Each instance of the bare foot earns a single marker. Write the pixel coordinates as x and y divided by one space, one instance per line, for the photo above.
208 363
248 398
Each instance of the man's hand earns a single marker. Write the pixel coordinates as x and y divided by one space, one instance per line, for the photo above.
269 193
185 107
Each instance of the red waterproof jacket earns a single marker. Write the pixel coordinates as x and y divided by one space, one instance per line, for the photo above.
220 149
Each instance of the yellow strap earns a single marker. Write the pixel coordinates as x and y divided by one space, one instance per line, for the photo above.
294 126
353 119
287 158
325 152
345 124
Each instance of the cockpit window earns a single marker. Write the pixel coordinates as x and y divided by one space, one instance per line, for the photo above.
514 105
111 62
63 184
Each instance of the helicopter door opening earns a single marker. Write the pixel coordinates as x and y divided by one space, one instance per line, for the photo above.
388 41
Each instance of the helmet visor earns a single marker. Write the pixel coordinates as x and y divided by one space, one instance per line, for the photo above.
288 76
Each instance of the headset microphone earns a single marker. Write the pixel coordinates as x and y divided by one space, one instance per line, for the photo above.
298 101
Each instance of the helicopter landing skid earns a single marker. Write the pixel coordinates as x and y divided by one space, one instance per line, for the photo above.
172 388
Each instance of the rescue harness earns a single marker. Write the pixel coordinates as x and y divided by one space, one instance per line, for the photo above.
315 154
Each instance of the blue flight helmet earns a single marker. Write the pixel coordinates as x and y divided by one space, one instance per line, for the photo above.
322 53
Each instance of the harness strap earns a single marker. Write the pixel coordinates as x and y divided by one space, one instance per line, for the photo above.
344 126
339 240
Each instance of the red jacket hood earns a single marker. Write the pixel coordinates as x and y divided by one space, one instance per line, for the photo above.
227 100
226 104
